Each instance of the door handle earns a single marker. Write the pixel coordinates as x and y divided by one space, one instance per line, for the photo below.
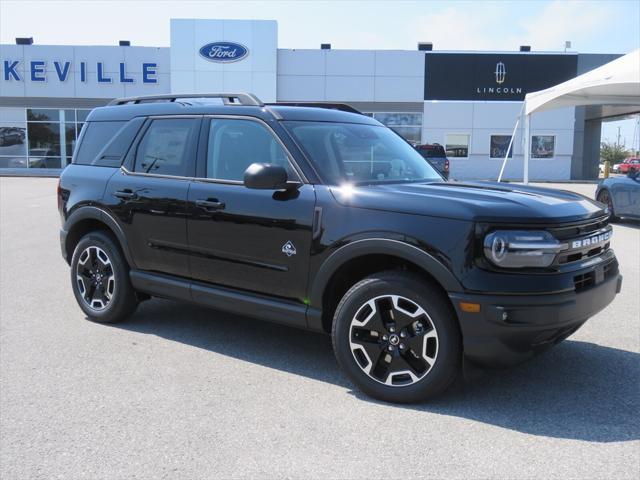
210 204
125 194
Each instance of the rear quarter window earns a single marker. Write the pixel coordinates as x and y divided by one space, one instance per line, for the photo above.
105 143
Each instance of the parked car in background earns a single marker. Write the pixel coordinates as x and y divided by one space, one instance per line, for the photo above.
436 156
627 163
11 136
621 194
44 158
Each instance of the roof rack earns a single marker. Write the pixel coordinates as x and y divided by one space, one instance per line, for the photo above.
332 106
227 98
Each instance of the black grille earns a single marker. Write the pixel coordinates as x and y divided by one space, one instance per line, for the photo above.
569 257
579 230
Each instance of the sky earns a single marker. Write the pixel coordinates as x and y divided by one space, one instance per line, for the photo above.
592 26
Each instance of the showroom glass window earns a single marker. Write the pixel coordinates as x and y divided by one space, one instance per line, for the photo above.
407 124
52 135
499 144
457 145
543 146
13 138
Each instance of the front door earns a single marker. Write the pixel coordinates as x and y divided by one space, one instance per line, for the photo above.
255 240
148 197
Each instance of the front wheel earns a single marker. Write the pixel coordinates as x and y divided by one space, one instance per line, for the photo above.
397 337
100 279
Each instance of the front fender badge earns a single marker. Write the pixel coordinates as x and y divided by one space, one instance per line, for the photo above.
289 249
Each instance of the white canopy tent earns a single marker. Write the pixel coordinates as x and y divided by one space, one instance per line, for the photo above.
615 83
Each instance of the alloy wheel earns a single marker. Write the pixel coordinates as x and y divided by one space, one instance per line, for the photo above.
95 278
393 340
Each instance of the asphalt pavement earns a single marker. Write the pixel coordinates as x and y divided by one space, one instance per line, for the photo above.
183 392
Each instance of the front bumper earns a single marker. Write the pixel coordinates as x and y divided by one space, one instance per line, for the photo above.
510 329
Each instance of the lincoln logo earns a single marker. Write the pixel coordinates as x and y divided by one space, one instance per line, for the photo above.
501 75
223 52
501 72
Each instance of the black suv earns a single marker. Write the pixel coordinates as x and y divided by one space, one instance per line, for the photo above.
322 218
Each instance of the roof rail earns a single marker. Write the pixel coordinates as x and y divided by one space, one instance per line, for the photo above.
332 106
227 98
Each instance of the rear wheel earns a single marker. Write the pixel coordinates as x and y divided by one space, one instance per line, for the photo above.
397 337
100 279
605 197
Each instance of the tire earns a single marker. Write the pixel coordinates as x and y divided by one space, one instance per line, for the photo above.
605 197
100 279
418 341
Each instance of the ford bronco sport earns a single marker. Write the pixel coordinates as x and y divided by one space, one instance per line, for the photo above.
322 218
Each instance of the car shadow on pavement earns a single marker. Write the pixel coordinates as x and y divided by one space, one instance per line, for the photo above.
577 390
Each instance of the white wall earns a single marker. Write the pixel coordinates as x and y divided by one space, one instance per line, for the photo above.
350 75
483 119
73 86
256 73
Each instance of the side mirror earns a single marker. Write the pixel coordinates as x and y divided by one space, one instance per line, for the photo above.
266 176
633 173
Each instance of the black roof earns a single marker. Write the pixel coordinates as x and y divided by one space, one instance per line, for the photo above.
196 104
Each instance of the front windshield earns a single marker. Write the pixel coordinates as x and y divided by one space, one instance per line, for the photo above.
357 153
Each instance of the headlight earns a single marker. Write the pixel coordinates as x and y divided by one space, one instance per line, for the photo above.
517 249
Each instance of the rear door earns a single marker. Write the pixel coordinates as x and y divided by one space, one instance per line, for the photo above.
148 196
255 240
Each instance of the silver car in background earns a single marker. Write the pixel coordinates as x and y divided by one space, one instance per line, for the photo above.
621 195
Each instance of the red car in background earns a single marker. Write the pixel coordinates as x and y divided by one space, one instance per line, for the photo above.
627 163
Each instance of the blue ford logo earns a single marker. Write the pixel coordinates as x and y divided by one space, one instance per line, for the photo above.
224 51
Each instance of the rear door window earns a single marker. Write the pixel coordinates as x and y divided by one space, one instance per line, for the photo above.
168 147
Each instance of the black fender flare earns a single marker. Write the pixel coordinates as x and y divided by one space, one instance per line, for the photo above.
94 213
380 246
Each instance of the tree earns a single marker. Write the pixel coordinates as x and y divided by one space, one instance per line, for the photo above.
612 152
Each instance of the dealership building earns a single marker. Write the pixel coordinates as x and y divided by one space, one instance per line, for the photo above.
466 101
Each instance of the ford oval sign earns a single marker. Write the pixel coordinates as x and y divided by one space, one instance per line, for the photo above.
224 52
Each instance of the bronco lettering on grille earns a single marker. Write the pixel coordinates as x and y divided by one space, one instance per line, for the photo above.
596 239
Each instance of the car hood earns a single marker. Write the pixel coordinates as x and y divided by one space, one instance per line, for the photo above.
473 201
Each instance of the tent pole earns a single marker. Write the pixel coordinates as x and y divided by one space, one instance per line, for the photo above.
513 135
527 148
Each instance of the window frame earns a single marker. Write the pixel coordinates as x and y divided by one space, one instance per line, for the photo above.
468 134
555 144
203 150
128 165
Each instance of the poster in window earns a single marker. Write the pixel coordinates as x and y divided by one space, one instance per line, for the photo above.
499 146
543 146
457 145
